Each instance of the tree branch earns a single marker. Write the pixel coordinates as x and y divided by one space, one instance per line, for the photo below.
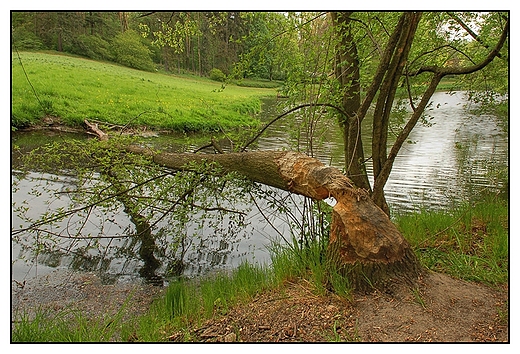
99 202
381 70
470 32
469 69
288 112
439 48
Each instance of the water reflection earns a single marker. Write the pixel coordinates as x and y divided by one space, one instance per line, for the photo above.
141 250
448 162
454 158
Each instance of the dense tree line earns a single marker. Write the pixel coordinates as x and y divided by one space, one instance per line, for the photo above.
195 42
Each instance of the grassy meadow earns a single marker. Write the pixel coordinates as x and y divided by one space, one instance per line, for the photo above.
75 89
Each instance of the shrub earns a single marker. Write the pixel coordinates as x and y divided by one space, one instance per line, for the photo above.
26 40
129 51
217 75
93 47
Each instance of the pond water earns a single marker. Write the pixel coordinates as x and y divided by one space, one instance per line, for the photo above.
455 158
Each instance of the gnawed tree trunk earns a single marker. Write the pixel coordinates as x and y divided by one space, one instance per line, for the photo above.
363 240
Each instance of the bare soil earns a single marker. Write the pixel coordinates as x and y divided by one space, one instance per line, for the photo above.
440 309
84 292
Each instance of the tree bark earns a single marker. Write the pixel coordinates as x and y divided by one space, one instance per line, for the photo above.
363 241
385 100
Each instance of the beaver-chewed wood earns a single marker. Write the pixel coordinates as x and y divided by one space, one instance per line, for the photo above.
362 236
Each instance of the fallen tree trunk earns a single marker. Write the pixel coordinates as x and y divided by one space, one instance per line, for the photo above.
363 240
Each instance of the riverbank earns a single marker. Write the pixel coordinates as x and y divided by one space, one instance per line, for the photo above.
85 291
441 309
64 293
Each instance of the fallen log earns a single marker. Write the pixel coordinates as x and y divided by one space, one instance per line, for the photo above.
363 242
363 239
93 128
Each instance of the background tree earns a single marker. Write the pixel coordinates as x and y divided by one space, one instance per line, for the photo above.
405 49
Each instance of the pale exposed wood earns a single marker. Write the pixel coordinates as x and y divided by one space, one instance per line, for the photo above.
93 127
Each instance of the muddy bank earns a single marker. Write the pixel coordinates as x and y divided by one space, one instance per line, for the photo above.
440 309
85 292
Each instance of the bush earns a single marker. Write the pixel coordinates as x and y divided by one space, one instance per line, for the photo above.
129 51
26 40
93 47
217 75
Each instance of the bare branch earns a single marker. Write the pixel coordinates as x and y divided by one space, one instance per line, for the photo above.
288 112
80 237
439 48
85 207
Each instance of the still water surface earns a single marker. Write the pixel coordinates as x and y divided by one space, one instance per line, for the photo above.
455 158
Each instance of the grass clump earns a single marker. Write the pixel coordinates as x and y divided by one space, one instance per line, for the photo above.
309 263
187 303
470 242
64 326
73 89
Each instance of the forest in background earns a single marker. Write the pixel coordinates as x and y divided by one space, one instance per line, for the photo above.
295 48
180 42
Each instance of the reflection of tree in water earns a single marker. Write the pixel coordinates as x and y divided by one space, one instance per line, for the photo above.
152 255
173 219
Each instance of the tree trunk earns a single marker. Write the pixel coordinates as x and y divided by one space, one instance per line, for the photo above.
363 240
347 74
385 101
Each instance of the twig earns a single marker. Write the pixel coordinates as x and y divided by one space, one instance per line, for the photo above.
288 112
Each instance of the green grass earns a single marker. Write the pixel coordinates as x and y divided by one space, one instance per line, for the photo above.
259 83
470 242
187 304
65 326
74 89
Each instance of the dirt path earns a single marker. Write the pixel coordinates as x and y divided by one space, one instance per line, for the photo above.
441 309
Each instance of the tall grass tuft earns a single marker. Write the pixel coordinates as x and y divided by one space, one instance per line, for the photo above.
65 326
186 304
309 263
470 242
